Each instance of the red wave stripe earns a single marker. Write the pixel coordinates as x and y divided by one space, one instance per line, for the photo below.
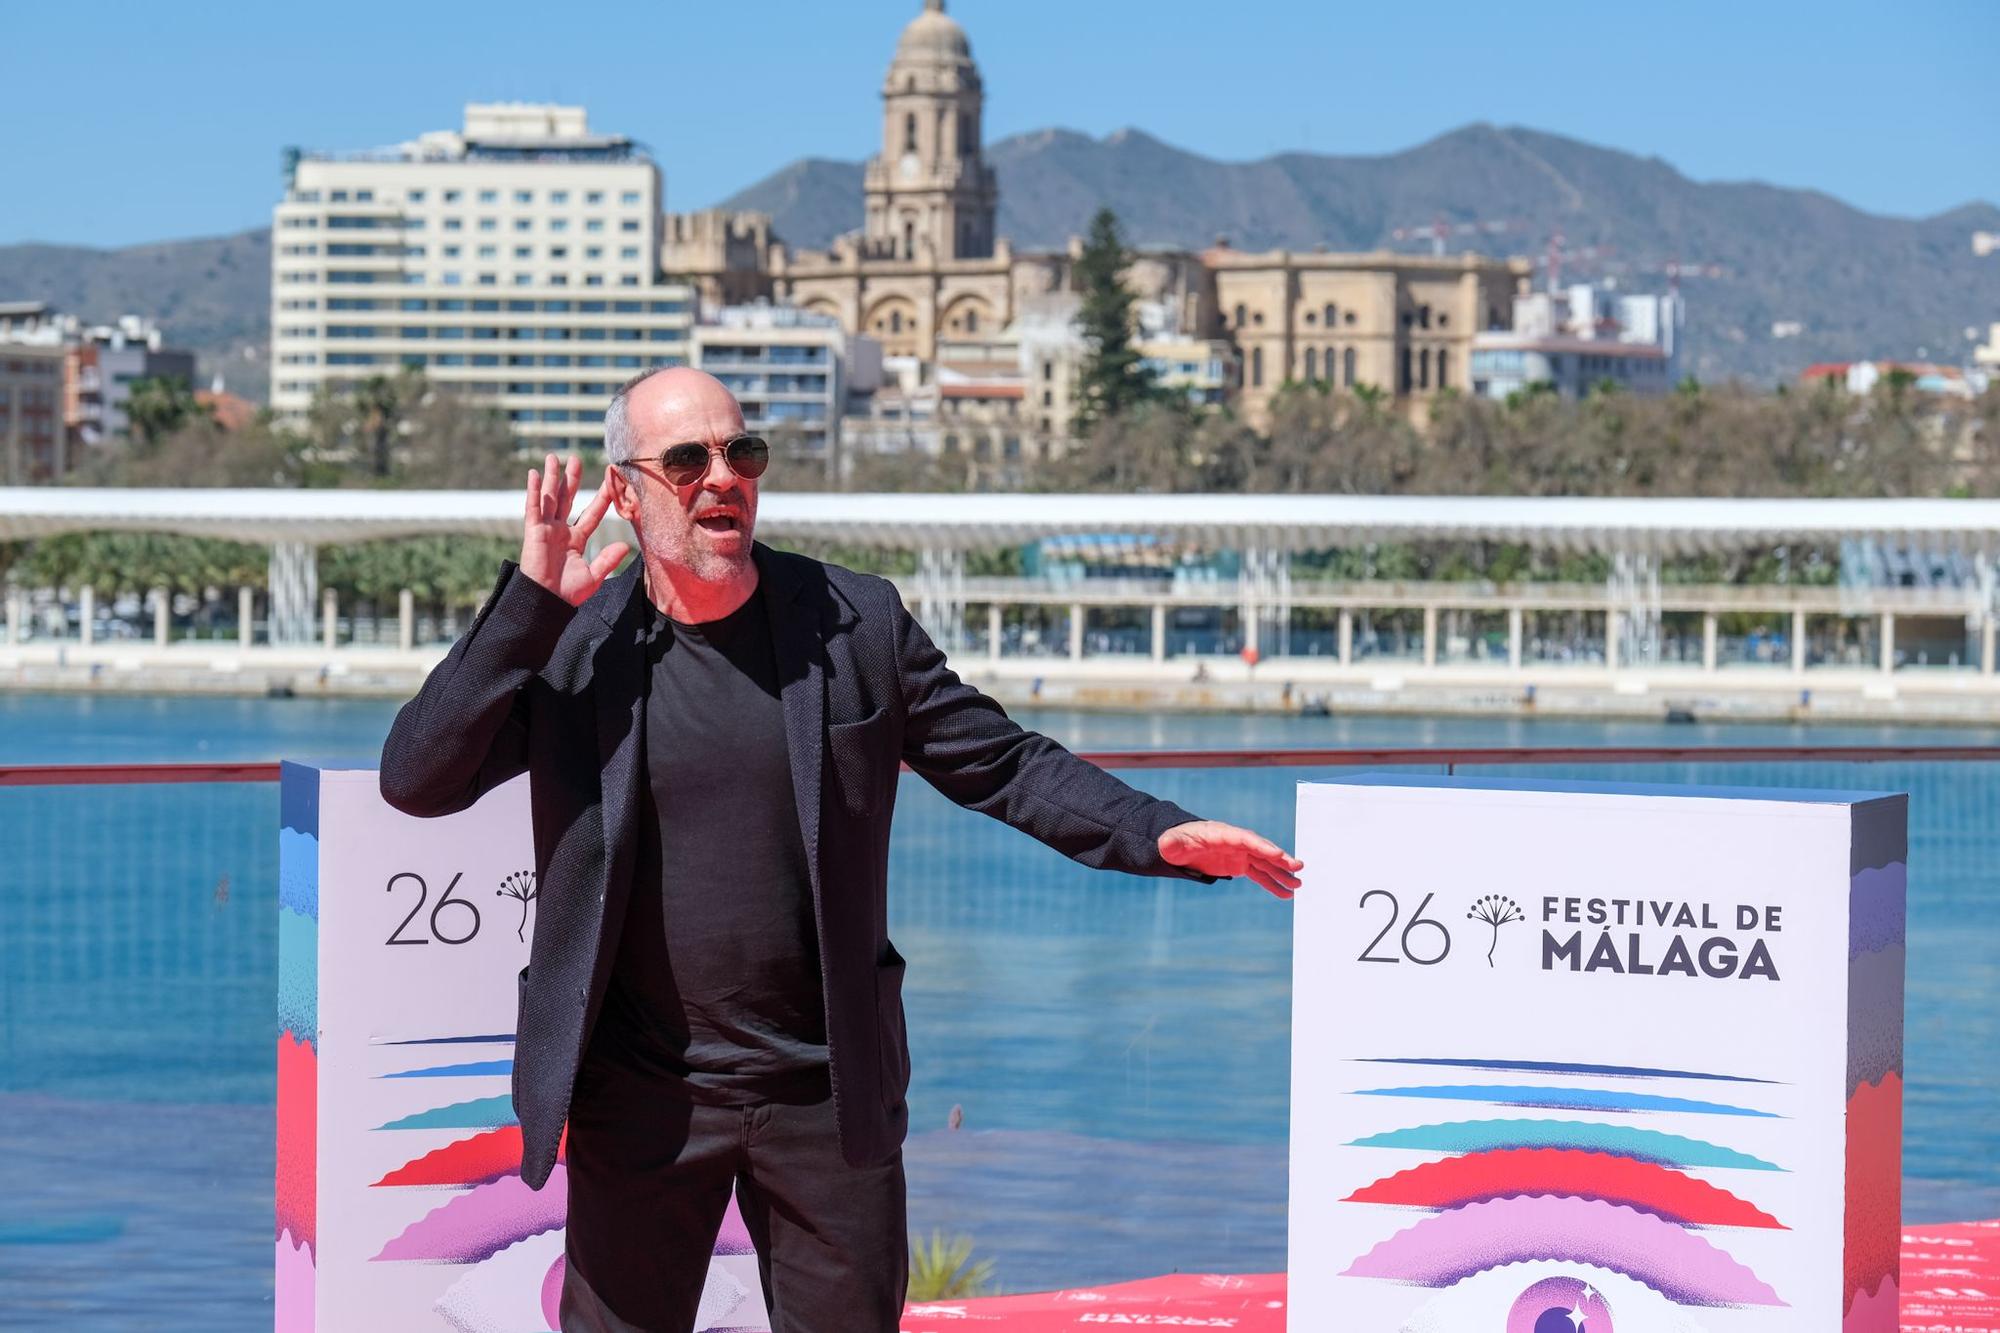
1570 1172
470 1161
1874 1184
297 1183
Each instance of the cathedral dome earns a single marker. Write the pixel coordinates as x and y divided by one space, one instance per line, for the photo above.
933 36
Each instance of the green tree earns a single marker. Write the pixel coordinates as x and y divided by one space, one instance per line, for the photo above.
1114 379
158 406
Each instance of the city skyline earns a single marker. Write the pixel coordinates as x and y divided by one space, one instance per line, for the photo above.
98 175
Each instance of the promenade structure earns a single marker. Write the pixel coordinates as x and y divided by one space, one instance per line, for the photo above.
515 261
1128 594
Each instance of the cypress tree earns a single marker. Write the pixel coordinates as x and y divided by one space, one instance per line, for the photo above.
1114 378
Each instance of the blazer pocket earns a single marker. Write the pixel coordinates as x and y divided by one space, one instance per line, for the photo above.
863 762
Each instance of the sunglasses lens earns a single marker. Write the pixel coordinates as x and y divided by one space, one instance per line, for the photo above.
684 463
748 457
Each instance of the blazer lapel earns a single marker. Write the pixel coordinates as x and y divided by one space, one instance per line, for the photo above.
619 687
798 641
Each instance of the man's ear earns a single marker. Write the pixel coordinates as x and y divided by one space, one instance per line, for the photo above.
624 496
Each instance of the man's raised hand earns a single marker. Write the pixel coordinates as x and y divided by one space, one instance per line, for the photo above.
552 548
1224 850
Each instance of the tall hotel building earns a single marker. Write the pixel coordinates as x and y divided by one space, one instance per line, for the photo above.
516 262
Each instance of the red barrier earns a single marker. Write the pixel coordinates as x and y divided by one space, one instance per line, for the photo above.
1950 1284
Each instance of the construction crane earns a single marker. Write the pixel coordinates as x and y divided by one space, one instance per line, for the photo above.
1439 230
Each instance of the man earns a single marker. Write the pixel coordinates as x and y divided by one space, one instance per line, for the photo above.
712 740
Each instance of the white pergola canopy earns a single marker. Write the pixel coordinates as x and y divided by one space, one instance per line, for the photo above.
1651 527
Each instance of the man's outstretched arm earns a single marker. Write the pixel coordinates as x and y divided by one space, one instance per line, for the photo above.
466 730
962 742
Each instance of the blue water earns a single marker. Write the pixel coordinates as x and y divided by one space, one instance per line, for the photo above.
1119 1047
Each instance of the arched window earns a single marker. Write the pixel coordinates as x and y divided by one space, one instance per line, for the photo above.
1404 377
1330 314
966 146
1312 364
1424 369
895 321
972 321
1257 367
941 141
1347 367
1241 316
1444 381
909 239
910 133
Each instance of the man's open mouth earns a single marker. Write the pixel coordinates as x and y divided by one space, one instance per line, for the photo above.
719 523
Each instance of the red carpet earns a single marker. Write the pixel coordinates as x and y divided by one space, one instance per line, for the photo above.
1951 1284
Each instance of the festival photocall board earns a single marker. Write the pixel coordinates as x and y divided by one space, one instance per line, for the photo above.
400 1203
1590 1058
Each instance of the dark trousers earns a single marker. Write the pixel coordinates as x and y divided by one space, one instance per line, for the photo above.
649 1183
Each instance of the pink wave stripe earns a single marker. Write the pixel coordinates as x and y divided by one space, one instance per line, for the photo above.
734 1238
1679 1265
476 1225
1873 1312
552 1285
296 1309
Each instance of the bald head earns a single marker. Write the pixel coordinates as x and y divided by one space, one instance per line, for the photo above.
665 406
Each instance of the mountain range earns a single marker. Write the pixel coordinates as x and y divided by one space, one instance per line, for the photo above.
1774 278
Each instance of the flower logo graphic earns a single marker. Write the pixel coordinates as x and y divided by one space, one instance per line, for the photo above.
521 887
1496 910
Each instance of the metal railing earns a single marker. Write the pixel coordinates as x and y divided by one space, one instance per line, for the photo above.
1449 758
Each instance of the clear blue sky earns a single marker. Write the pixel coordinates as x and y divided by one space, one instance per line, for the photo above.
149 122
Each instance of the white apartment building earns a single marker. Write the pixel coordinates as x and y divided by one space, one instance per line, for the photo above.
790 369
1579 338
515 261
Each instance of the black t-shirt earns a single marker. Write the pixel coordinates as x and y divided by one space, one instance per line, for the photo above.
716 987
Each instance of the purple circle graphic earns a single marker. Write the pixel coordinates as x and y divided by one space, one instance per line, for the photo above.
1560 1305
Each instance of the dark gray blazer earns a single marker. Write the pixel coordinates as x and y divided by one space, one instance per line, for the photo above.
559 692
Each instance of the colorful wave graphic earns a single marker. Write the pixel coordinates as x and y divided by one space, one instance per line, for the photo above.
479 1113
1453 1182
1878 903
297 1182
1563 1099
467 1069
472 1227
1872 1232
469 1161
296 1179
1450 1247
1645 1145
1557 1067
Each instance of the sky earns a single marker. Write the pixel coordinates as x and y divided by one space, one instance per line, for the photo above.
157 122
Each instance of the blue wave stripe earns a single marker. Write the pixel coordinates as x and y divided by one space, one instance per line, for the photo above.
1565 1099
504 1038
456 1071
1558 1067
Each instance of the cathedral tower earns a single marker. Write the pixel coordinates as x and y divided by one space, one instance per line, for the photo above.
930 194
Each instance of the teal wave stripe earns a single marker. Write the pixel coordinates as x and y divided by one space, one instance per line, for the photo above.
481 1113
1565 1099
1643 1145
298 976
